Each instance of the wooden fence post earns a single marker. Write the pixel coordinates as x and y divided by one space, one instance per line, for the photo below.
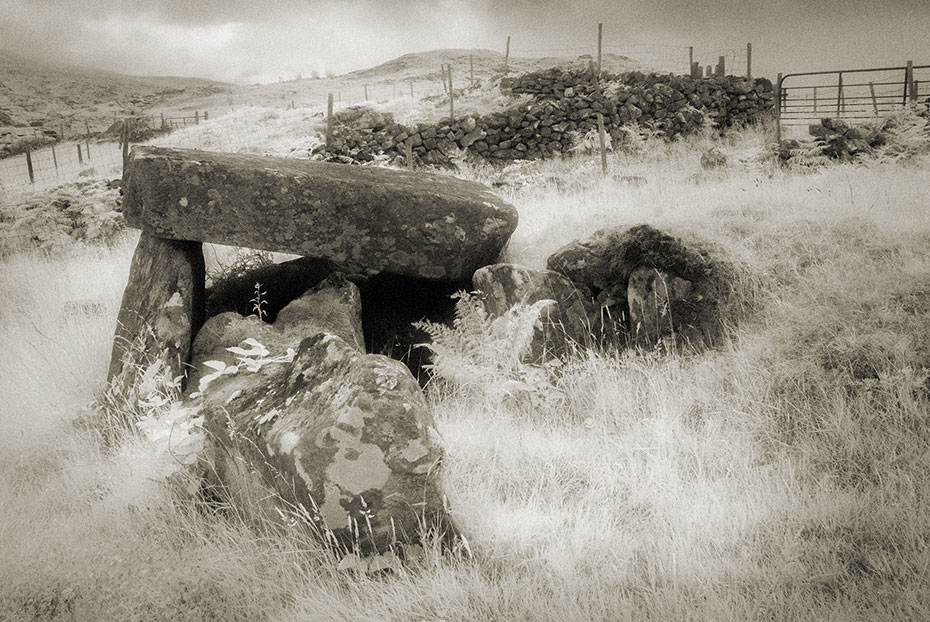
32 175
749 61
603 142
164 126
507 57
839 93
909 89
54 158
62 132
691 60
366 92
411 88
442 72
87 137
874 100
471 71
329 119
778 109
600 36
721 66
80 157
206 115
125 143
710 71
451 95
196 117
815 99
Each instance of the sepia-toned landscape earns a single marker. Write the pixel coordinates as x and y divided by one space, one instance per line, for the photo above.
560 338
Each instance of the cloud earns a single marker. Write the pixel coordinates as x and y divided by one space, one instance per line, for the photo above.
249 40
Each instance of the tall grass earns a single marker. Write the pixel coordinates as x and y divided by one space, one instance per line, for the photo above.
783 476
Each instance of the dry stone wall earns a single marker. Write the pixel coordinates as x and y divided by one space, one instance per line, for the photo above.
565 104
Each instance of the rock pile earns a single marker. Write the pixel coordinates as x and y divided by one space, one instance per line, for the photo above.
838 140
565 105
665 291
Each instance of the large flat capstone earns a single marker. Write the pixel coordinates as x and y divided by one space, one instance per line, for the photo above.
366 219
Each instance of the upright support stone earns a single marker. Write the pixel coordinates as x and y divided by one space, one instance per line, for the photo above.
162 309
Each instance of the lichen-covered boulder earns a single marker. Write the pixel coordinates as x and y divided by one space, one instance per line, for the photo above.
666 291
366 219
568 320
304 423
162 308
342 439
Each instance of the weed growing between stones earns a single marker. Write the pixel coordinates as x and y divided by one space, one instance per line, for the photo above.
259 303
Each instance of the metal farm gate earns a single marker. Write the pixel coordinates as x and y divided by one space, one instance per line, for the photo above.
855 95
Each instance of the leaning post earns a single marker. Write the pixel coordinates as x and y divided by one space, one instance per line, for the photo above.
32 175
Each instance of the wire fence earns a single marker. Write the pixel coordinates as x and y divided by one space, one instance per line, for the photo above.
61 163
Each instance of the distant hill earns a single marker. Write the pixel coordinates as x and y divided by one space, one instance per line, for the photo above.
33 92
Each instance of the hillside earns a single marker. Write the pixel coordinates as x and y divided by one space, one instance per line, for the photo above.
32 93
36 97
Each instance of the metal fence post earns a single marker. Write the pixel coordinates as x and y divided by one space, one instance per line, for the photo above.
778 89
839 93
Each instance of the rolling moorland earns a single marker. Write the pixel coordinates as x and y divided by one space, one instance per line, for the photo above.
781 476
49 97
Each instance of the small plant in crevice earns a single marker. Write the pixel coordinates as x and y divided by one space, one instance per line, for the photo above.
259 303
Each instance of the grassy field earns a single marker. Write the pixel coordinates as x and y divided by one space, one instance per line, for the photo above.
785 476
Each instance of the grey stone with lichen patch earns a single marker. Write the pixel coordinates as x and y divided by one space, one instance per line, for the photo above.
568 320
160 311
347 436
366 219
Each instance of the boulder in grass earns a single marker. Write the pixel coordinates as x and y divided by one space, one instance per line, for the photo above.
666 290
303 422
567 320
342 439
161 310
366 219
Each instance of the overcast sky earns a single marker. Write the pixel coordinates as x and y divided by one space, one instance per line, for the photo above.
260 40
